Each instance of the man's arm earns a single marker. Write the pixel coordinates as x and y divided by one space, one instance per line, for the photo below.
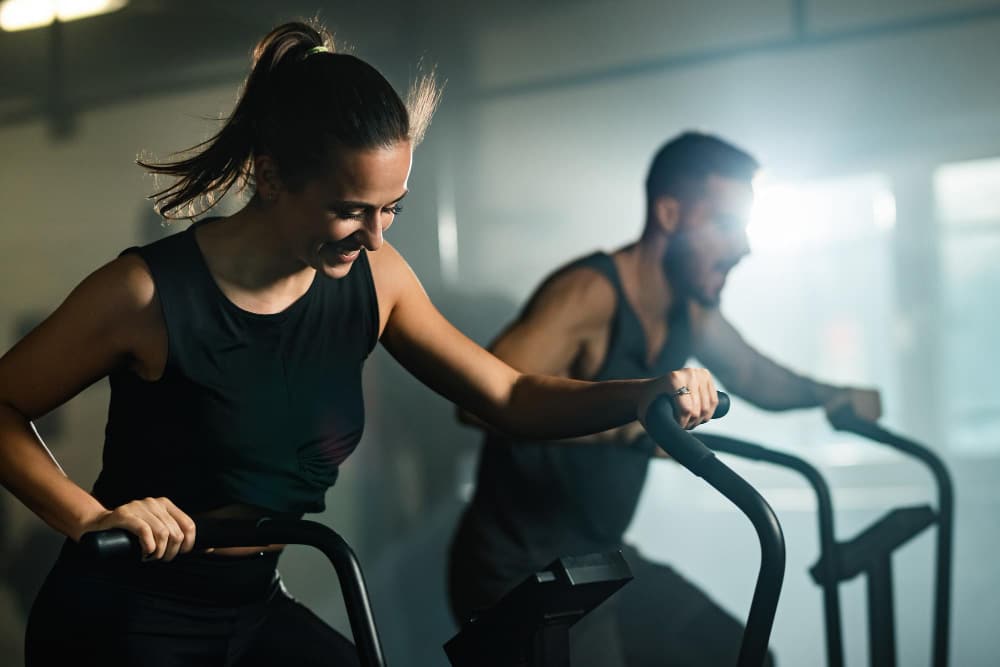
563 317
749 374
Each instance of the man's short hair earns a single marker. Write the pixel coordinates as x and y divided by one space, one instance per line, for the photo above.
682 165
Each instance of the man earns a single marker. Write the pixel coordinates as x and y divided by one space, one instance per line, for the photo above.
642 310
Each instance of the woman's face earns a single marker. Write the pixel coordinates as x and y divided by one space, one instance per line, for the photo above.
335 216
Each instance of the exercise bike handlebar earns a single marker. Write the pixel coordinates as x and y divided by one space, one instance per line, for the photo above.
685 449
699 459
845 419
218 533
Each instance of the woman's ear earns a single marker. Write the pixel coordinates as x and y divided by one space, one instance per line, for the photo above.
666 214
268 182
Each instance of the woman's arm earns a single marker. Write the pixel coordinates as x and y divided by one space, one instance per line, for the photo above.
564 326
520 404
110 319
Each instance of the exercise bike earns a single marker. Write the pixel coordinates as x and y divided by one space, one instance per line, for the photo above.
529 626
579 584
870 551
218 533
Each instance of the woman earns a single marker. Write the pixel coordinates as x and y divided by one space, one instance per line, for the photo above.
234 351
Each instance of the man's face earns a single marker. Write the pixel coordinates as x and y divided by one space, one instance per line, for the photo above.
710 239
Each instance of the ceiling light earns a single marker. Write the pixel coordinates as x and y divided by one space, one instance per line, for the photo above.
27 14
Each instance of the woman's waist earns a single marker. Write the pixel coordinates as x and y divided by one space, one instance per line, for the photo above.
242 511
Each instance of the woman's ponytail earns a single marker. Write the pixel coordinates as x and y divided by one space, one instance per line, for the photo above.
301 102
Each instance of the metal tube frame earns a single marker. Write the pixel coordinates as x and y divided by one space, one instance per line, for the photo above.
245 532
847 421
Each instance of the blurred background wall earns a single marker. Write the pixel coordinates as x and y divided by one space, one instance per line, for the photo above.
876 261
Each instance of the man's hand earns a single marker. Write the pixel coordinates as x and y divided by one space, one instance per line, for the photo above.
866 404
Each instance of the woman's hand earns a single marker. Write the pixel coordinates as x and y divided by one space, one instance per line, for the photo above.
694 395
163 529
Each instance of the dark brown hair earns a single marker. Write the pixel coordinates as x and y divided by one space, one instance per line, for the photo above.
681 165
301 102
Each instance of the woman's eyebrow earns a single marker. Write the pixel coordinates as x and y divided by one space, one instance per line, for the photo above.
347 203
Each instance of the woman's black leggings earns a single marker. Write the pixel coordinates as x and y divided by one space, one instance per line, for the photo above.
196 610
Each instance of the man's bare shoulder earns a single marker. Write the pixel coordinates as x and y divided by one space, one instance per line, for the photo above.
580 291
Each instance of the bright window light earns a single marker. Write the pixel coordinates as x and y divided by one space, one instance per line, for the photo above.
787 217
884 208
784 217
966 192
27 14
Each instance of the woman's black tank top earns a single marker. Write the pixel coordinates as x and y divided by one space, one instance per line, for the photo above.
536 501
253 409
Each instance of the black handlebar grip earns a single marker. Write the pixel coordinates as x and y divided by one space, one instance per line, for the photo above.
720 410
119 543
113 543
662 426
844 418
723 407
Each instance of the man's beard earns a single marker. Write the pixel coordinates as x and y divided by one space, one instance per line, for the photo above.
681 269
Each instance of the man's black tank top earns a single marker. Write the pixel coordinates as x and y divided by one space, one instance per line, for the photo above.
535 501
254 409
